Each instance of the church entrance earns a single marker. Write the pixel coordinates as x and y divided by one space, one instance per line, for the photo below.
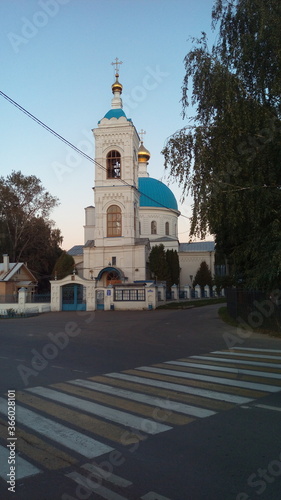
73 297
112 278
100 300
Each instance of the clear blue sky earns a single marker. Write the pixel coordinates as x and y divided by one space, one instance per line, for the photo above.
55 62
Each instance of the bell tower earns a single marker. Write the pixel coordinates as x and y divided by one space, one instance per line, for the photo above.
116 175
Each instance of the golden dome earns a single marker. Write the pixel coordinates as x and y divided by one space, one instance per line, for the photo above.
143 154
117 86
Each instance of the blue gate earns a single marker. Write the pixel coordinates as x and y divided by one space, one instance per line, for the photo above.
73 298
100 300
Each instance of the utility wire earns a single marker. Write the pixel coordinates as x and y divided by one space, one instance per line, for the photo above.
68 143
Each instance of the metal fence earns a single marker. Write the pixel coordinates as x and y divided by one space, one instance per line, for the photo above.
8 299
38 298
255 308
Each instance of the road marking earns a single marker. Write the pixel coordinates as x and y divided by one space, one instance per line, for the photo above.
246 355
107 475
256 349
127 419
237 361
215 380
144 398
78 419
237 371
142 409
167 394
182 388
267 407
100 490
69 438
23 467
38 450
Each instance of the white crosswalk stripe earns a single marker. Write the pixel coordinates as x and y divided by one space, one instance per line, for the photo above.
256 349
248 355
237 361
23 468
144 398
215 380
112 414
69 438
225 369
182 388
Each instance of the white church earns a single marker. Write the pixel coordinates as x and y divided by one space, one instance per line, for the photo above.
132 212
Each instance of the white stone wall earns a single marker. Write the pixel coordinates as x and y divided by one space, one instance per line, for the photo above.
161 216
130 258
190 263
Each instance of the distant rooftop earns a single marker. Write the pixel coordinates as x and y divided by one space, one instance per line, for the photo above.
76 250
197 246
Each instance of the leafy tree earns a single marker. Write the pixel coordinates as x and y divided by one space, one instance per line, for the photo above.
23 199
42 251
26 232
64 266
164 265
158 264
228 158
203 276
172 259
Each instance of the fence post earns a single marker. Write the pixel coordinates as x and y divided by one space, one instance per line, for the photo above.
175 295
207 291
198 291
187 291
22 299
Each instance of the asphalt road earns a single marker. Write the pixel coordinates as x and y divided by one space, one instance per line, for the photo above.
232 452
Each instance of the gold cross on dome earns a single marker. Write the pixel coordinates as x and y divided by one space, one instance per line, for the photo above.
142 134
116 64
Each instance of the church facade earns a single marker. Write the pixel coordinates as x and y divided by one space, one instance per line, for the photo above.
132 212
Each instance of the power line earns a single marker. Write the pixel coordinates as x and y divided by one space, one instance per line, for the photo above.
68 143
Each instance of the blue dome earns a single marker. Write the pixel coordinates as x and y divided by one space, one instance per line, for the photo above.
156 194
115 113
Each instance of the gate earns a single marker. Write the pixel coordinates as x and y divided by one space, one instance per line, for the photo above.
73 298
100 300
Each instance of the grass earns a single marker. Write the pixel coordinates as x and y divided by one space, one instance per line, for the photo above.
192 303
223 314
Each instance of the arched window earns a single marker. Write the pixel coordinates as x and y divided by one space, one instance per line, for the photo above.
114 221
113 165
167 229
153 227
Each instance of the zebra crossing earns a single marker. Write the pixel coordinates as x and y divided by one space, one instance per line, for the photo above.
69 422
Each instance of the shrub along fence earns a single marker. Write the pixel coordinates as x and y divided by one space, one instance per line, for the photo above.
254 308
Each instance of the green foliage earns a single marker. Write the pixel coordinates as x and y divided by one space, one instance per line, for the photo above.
228 159
172 259
26 232
158 264
164 265
64 266
203 276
